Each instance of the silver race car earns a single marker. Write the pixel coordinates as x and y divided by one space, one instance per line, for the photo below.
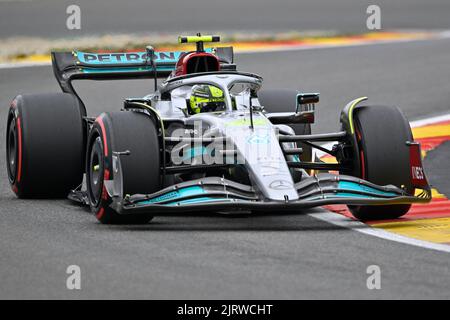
207 139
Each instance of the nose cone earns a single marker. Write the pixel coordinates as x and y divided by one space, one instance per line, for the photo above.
281 189
260 152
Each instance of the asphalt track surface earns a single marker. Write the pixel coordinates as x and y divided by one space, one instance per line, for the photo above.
214 257
47 18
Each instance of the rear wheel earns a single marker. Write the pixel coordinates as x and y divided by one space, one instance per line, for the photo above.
285 100
382 133
44 145
118 132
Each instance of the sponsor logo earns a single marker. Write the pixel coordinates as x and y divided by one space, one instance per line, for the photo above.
258 139
373 21
418 178
73 281
373 281
129 57
190 131
132 57
417 173
73 21
280 185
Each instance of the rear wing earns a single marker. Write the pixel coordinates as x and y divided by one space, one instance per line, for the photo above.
68 66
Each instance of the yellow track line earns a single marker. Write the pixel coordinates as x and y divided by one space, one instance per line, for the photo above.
433 230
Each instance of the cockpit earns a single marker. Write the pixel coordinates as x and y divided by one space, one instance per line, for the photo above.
214 92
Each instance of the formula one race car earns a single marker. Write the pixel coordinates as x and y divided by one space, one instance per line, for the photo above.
206 140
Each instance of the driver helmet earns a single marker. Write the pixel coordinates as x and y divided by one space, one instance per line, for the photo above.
206 98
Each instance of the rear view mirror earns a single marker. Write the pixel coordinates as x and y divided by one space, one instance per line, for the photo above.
307 98
291 117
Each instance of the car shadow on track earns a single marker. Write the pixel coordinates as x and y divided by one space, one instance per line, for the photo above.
216 222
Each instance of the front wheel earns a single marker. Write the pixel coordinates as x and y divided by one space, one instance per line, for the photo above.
381 135
118 132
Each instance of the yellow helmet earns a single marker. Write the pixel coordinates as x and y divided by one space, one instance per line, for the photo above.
206 98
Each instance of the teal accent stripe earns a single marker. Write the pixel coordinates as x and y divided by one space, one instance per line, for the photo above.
350 195
121 69
176 194
343 195
352 186
199 200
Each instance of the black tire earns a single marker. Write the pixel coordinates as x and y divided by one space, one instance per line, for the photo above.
382 133
118 132
285 100
44 145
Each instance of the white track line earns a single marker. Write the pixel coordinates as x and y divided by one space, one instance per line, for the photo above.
343 221
428 121
13 65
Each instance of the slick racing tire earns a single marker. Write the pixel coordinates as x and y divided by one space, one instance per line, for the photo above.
285 100
381 134
44 145
118 132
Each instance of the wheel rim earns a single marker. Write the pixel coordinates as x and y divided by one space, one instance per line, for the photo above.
11 151
95 171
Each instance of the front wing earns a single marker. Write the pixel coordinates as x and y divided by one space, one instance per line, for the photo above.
219 194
